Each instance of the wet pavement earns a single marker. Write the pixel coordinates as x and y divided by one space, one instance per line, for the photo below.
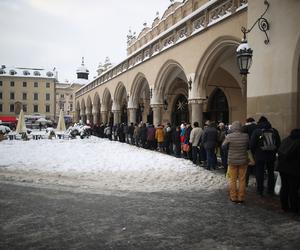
49 218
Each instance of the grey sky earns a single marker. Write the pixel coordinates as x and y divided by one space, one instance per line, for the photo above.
57 33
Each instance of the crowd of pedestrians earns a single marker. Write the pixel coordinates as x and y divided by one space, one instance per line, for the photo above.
242 149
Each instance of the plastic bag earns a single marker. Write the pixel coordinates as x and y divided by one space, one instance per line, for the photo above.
277 185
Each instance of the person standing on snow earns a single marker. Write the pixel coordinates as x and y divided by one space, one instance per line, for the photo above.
194 141
238 143
264 143
289 169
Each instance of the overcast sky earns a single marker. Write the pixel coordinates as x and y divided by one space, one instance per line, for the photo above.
57 33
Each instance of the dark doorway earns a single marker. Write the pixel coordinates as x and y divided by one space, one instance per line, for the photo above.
124 114
150 116
180 111
218 107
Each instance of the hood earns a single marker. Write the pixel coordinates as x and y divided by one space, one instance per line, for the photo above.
236 126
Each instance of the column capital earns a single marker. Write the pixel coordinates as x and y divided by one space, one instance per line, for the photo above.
199 100
157 105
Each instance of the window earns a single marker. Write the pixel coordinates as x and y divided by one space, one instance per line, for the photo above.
36 84
1 108
24 107
2 72
62 96
71 107
49 74
35 96
26 73
12 96
12 72
1 83
12 84
24 96
24 84
0 95
47 108
47 84
47 97
36 73
71 96
11 108
35 108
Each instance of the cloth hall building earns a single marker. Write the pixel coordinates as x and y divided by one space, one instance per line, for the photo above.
183 67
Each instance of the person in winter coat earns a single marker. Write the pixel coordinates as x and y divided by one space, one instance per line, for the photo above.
177 141
194 141
289 169
143 135
168 139
249 128
187 133
209 140
151 137
238 143
264 143
159 136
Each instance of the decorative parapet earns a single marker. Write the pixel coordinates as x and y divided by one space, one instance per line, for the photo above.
206 15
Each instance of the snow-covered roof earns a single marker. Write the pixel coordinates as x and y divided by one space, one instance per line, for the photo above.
80 81
27 72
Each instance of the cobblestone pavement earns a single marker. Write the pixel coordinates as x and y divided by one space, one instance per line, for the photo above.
49 218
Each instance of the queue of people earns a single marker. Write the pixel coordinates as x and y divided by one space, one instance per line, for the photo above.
243 149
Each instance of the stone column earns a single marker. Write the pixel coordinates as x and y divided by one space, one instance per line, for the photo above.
77 116
89 118
95 118
104 117
117 116
157 113
197 111
82 116
132 115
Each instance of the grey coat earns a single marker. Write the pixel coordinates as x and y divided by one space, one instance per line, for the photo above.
238 143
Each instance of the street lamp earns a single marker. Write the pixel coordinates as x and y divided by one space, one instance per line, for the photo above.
244 52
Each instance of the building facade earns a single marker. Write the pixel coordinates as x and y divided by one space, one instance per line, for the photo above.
183 68
30 89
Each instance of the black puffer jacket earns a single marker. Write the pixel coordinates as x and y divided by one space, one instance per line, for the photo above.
256 142
289 154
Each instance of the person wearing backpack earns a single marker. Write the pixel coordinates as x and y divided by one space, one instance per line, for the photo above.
264 143
289 169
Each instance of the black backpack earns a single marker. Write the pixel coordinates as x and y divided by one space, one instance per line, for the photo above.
268 141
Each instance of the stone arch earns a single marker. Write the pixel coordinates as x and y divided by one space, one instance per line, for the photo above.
218 69
140 87
120 95
166 75
77 111
140 98
106 106
106 100
89 105
171 81
211 59
96 108
83 111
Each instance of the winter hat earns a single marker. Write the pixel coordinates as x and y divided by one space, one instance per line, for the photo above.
236 126
262 119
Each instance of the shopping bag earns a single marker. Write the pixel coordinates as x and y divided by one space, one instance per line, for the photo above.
277 185
186 147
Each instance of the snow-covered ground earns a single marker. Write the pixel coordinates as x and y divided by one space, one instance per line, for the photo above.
101 164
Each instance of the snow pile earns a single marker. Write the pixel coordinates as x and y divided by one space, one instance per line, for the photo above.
99 163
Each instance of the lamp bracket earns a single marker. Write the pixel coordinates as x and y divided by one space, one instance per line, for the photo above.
262 23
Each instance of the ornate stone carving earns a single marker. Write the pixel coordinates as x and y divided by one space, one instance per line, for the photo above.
221 10
199 23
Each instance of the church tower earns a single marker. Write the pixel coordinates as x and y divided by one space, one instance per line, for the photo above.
82 72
